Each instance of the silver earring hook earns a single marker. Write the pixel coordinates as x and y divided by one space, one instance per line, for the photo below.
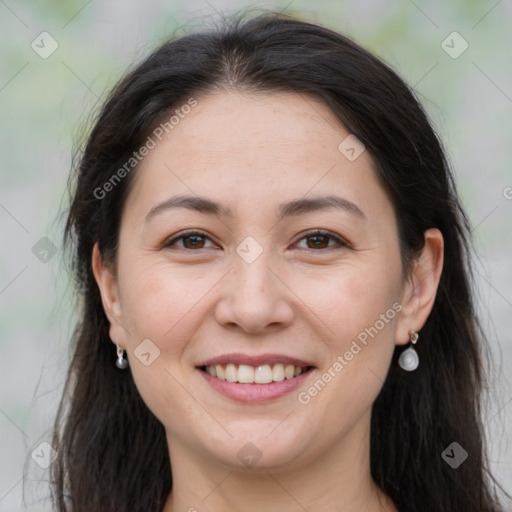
121 362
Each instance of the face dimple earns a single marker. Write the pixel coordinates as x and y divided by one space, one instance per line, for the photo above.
255 289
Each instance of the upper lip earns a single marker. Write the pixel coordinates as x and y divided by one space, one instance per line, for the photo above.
254 360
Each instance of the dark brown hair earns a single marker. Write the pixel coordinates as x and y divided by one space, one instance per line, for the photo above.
113 454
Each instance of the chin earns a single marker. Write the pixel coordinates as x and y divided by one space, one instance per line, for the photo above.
257 452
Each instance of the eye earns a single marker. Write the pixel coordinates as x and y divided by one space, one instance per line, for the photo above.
195 240
191 240
321 239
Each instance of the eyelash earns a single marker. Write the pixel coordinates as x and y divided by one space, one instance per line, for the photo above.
185 234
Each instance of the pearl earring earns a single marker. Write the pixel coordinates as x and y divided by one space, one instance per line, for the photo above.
122 362
409 359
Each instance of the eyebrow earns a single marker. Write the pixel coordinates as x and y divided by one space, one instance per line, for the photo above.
288 209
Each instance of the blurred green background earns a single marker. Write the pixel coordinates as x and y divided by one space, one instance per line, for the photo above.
46 100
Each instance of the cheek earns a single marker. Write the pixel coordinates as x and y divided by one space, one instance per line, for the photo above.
159 302
349 300
358 309
159 311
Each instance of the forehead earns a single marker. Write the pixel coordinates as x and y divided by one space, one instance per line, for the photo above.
269 123
254 148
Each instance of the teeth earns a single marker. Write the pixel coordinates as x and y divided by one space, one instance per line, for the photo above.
231 373
245 373
219 370
263 374
278 373
289 371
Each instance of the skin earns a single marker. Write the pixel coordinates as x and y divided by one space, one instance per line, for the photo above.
251 152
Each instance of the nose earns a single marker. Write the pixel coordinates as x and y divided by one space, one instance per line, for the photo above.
254 297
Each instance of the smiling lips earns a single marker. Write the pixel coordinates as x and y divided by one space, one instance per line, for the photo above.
257 382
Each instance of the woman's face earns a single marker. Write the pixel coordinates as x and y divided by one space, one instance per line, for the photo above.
254 286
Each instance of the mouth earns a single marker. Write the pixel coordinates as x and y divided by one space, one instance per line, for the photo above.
262 374
255 379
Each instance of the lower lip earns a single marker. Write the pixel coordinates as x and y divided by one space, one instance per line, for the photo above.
255 393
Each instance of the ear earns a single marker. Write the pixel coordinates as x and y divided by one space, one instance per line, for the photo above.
420 289
107 284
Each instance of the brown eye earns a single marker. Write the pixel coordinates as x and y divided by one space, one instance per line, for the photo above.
193 241
190 241
321 240
318 241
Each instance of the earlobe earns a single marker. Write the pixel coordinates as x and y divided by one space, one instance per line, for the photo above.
107 285
421 286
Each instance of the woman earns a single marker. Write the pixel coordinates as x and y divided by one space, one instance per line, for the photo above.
276 293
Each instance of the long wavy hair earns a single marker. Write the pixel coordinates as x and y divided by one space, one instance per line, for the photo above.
113 453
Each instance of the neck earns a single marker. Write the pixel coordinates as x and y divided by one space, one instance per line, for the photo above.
339 479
